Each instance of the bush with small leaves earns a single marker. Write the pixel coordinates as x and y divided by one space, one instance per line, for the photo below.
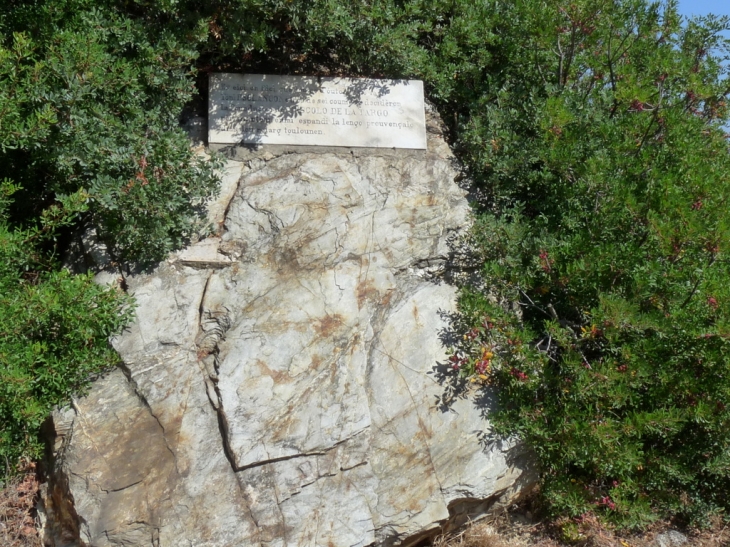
603 154
55 328
90 99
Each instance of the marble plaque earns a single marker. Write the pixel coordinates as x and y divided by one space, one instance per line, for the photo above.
304 110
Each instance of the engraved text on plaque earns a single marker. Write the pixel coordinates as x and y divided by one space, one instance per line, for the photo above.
303 110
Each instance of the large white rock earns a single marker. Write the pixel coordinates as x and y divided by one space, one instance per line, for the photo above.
277 386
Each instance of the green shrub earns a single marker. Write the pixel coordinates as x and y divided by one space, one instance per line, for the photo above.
55 328
90 100
604 161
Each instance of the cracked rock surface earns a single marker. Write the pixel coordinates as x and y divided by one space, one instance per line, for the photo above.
277 386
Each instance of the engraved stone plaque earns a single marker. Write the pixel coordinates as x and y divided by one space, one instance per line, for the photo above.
307 110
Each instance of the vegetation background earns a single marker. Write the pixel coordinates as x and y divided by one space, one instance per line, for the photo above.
594 132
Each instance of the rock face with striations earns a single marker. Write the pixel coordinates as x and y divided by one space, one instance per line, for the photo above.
277 386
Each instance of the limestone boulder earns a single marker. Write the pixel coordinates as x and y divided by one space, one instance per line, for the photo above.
277 387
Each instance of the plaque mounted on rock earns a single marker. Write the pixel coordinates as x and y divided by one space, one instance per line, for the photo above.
314 111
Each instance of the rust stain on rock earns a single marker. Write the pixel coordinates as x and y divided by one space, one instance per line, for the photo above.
327 326
365 291
279 376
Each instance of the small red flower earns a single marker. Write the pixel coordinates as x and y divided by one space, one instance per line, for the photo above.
637 105
545 262
608 502
456 361
521 376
